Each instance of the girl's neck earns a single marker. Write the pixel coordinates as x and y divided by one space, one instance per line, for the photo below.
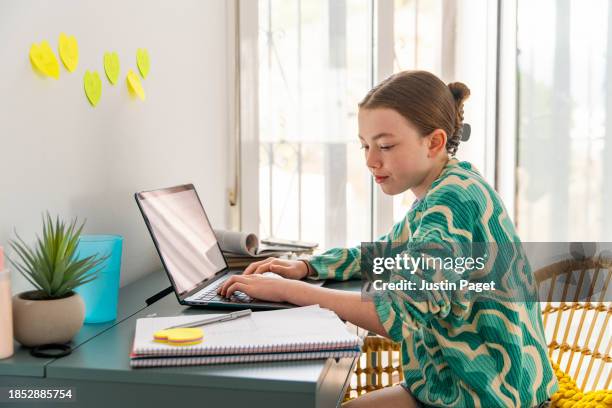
420 190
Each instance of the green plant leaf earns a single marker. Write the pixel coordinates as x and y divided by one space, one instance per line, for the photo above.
76 266
63 240
43 266
48 240
50 264
73 283
23 252
29 262
58 274
59 231
74 241
25 274
85 270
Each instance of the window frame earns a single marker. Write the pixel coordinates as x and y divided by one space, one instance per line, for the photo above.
506 129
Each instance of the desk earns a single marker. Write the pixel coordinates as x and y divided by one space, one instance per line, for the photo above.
130 301
99 371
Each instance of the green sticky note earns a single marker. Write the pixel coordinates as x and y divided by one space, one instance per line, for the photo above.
93 87
143 62
111 66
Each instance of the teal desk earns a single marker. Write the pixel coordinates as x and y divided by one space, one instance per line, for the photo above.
131 301
99 371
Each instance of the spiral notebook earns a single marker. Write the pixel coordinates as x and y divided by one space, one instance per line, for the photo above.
302 333
139 362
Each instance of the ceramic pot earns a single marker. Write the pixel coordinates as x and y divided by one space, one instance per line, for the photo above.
37 321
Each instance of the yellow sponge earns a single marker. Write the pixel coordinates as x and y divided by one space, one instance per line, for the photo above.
179 336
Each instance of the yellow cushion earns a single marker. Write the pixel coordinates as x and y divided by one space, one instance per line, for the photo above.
569 395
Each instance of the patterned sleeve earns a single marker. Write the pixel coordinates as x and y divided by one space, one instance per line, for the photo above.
345 263
446 224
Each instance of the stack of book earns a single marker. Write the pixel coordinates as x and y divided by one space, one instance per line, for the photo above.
241 249
304 333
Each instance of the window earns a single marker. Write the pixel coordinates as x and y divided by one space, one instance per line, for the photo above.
457 41
314 67
316 60
565 121
565 135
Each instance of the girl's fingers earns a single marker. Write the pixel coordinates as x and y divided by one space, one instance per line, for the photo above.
232 279
253 266
236 287
264 267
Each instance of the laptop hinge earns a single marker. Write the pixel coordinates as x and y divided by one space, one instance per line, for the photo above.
159 295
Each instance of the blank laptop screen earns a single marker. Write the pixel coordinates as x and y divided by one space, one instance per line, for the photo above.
183 235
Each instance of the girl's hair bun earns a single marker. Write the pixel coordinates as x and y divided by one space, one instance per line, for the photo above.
460 91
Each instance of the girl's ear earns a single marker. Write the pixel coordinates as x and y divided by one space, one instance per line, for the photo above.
437 142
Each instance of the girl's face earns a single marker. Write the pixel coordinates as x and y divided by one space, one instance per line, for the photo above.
396 154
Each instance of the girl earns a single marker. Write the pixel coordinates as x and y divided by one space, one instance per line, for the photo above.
455 352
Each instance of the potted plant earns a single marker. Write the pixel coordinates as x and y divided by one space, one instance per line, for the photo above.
53 312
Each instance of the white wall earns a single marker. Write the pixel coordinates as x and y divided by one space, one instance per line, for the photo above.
57 153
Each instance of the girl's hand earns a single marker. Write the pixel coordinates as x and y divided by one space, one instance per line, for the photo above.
261 287
283 267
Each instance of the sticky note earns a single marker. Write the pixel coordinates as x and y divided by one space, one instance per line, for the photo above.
93 87
143 62
179 336
69 51
43 59
134 85
111 66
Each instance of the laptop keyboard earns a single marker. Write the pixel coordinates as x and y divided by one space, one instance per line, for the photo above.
210 295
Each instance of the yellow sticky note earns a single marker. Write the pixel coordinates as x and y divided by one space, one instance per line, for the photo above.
43 59
187 336
93 87
111 66
134 85
69 51
143 62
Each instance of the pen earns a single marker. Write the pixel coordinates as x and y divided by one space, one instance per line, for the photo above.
223 318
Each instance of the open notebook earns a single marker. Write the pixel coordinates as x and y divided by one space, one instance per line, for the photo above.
290 334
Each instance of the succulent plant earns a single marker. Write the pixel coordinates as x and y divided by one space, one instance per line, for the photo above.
51 264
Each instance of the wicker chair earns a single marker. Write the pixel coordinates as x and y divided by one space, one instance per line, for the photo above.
379 366
577 315
579 333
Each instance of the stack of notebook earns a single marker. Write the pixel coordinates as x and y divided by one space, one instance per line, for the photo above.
304 333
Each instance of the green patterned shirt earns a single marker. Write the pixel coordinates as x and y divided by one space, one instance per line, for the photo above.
457 353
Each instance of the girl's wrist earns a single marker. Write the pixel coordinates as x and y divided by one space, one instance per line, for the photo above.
309 268
297 292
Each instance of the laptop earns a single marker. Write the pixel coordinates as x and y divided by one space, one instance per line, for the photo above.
189 250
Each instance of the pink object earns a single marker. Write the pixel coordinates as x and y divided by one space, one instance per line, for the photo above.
6 311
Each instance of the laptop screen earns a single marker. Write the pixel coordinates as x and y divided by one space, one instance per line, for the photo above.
183 235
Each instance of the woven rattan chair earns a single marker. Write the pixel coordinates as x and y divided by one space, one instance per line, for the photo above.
579 344
379 366
577 315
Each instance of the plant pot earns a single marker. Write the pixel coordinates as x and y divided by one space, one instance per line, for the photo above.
38 321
